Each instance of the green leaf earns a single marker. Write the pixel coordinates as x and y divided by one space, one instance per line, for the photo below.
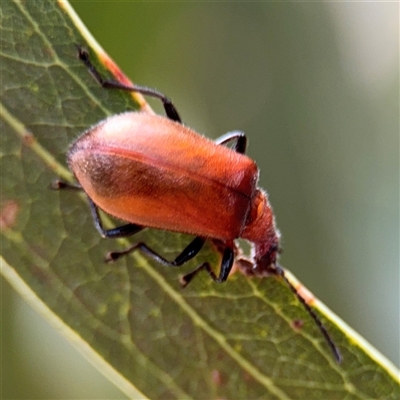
132 319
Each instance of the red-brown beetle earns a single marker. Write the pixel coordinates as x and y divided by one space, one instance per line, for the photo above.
152 171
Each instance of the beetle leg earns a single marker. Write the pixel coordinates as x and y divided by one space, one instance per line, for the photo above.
169 108
119 232
187 254
226 267
238 136
61 185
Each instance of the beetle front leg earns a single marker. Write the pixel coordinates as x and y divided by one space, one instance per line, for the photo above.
226 267
238 136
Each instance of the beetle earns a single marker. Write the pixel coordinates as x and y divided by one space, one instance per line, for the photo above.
153 171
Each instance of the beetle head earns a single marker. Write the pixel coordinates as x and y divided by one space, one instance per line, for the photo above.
261 230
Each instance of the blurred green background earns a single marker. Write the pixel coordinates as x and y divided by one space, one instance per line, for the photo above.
316 89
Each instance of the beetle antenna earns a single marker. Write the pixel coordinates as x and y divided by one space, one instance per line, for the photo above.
281 272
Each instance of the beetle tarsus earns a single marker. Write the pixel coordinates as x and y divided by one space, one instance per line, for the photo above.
58 184
225 269
112 256
171 111
237 136
186 279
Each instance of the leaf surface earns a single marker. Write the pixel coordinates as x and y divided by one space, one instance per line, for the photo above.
237 340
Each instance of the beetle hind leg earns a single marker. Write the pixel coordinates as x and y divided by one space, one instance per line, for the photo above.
59 184
169 108
119 232
114 233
